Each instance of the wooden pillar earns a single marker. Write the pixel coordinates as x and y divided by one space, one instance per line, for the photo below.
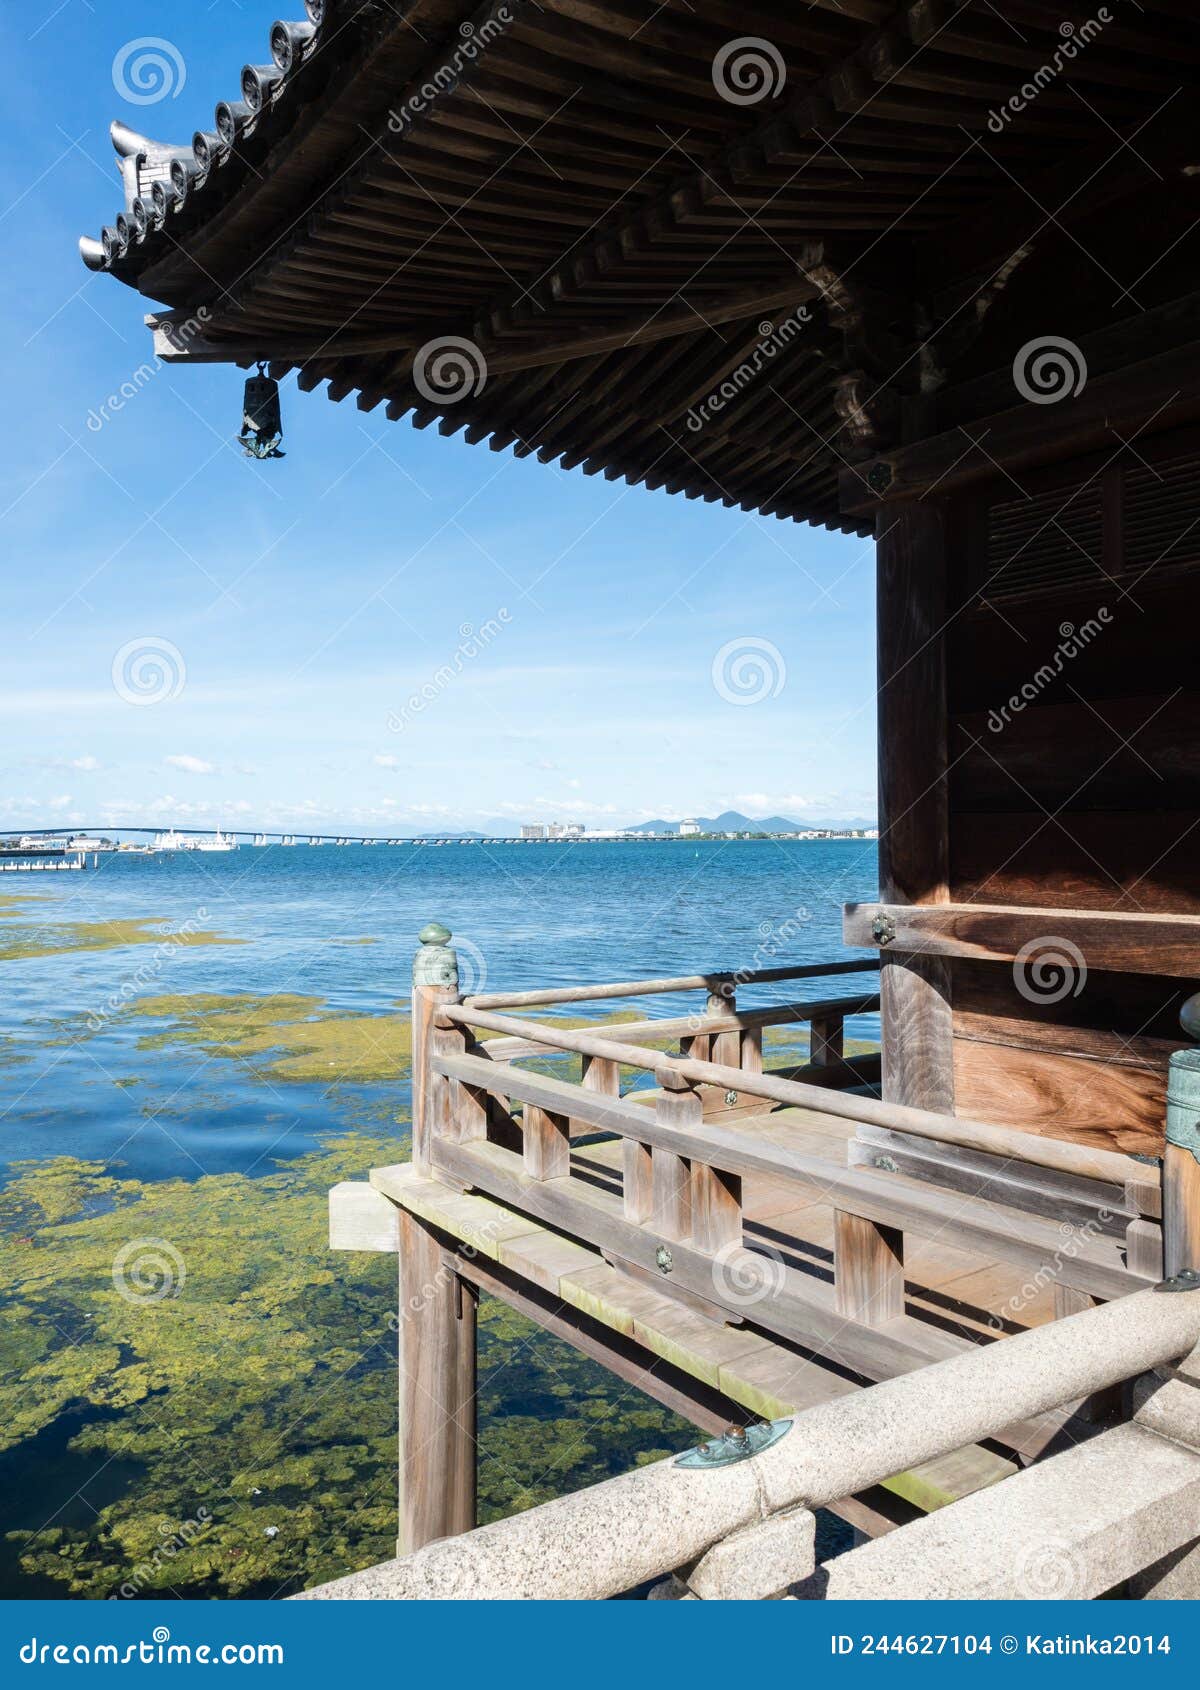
826 1040
1181 1164
914 860
435 983
868 1269
437 1392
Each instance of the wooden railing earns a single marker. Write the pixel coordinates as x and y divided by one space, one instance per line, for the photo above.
483 1122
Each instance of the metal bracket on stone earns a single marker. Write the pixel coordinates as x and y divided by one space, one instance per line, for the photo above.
736 1443
1187 1279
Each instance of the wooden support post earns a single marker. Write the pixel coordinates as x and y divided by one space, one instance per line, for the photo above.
725 1048
826 1041
600 1074
637 1165
868 1269
914 859
1181 1162
751 1054
678 1106
437 1392
1181 1210
435 984
547 1146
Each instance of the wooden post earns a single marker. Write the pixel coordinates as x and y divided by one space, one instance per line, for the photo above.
437 1392
599 1074
868 1269
435 983
826 1043
547 1144
678 1106
1181 1165
914 858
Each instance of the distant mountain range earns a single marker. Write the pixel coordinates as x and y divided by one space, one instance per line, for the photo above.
732 821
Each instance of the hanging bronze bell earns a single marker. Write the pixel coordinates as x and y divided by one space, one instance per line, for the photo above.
262 426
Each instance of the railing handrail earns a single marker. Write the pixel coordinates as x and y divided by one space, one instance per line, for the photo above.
610 1537
732 1021
979 1222
684 983
1111 1166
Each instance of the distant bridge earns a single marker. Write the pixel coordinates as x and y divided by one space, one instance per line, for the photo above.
256 836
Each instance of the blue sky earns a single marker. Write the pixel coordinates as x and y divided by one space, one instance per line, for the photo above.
299 605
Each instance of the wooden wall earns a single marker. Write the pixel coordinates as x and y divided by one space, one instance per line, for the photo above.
1076 594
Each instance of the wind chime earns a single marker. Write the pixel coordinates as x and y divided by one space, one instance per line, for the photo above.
262 426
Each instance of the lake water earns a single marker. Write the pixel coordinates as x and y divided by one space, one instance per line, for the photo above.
198 1398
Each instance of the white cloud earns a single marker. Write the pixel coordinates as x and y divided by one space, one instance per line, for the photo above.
84 764
385 760
189 765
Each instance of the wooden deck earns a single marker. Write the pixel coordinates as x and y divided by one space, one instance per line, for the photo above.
697 1362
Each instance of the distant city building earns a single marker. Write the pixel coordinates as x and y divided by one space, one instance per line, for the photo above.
689 826
533 830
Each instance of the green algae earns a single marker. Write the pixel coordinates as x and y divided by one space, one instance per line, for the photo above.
60 937
250 1375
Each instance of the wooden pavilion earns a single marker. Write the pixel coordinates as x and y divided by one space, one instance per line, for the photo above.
923 270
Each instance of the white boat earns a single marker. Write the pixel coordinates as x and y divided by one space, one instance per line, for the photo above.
219 842
171 841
